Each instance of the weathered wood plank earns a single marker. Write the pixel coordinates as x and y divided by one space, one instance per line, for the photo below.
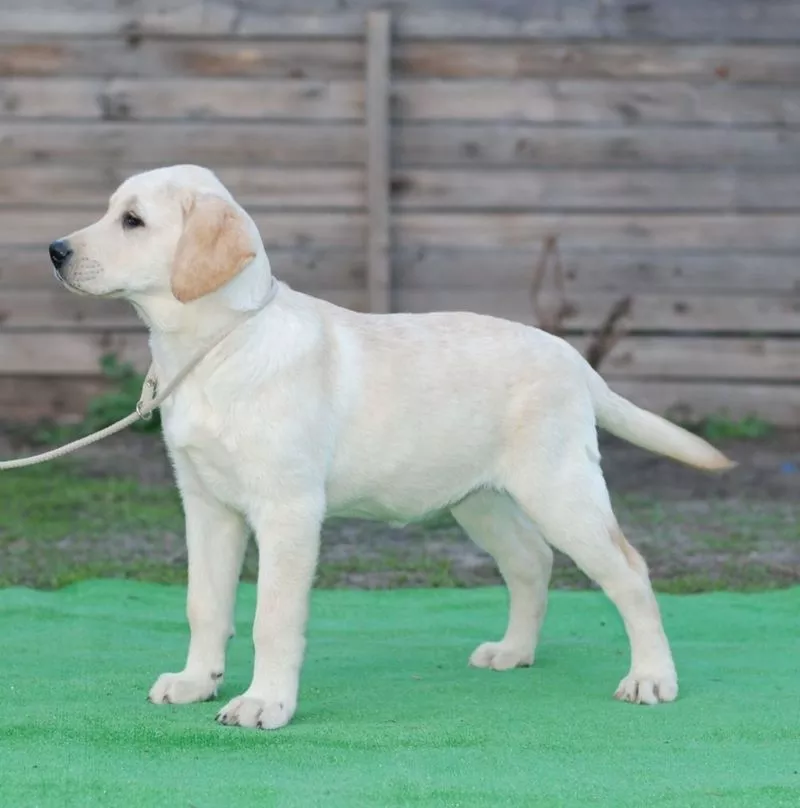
304 230
701 358
168 98
379 279
264 188
203 57
303 269
640 191
76 354
135 145
273 58
515 145
642 271
578 101
582 311
690 401
667 19
597 102
755 232
622 272
27 399
592 60
709 19
657 19
55 308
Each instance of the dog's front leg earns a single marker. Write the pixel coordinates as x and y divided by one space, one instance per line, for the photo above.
288 545
216 539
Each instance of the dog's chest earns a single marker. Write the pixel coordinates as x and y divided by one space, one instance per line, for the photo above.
199 434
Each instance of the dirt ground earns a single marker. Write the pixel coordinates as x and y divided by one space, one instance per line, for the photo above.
120 516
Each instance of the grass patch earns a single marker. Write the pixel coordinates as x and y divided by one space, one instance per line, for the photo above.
60 524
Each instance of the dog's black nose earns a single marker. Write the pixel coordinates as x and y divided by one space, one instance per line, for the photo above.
60 253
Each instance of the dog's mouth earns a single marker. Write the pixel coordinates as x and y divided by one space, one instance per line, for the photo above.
67 285
77 290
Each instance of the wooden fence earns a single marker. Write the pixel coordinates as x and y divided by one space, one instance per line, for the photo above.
627 174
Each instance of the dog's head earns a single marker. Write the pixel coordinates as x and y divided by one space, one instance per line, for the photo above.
174 235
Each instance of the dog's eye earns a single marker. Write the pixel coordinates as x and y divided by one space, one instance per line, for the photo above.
131 221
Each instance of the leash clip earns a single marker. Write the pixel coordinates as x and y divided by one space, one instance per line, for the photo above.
150 382
144 416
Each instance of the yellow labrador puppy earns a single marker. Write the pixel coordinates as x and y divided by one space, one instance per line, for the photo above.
306 410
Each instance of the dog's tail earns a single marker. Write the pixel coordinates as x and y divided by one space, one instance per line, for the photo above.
650 431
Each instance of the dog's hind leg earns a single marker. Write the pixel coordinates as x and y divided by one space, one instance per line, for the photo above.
561 488
497 525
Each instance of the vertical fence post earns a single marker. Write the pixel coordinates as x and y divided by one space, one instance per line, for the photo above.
379 281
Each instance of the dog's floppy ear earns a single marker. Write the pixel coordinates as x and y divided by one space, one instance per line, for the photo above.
214 247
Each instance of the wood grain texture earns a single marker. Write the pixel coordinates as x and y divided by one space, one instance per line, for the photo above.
504 144
642 191
55 308
28 399
131 146
772 232
660 19
690 401
232 57
624 272
200 57
379 278
69 354
176 98
586 311
596 60
597 102
282 188
701 358
134 145
576 101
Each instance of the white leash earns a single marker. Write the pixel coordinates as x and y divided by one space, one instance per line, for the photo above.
150 399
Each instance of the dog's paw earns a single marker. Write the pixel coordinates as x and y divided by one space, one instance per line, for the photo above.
501 656
260 713
183 688
648 688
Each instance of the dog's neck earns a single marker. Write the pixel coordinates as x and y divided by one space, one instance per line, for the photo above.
179 331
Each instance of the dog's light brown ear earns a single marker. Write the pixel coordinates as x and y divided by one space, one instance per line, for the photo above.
213 248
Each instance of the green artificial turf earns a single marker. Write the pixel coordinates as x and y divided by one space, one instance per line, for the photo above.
390 715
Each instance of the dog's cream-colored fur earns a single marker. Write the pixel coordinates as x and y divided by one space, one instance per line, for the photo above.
307 410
